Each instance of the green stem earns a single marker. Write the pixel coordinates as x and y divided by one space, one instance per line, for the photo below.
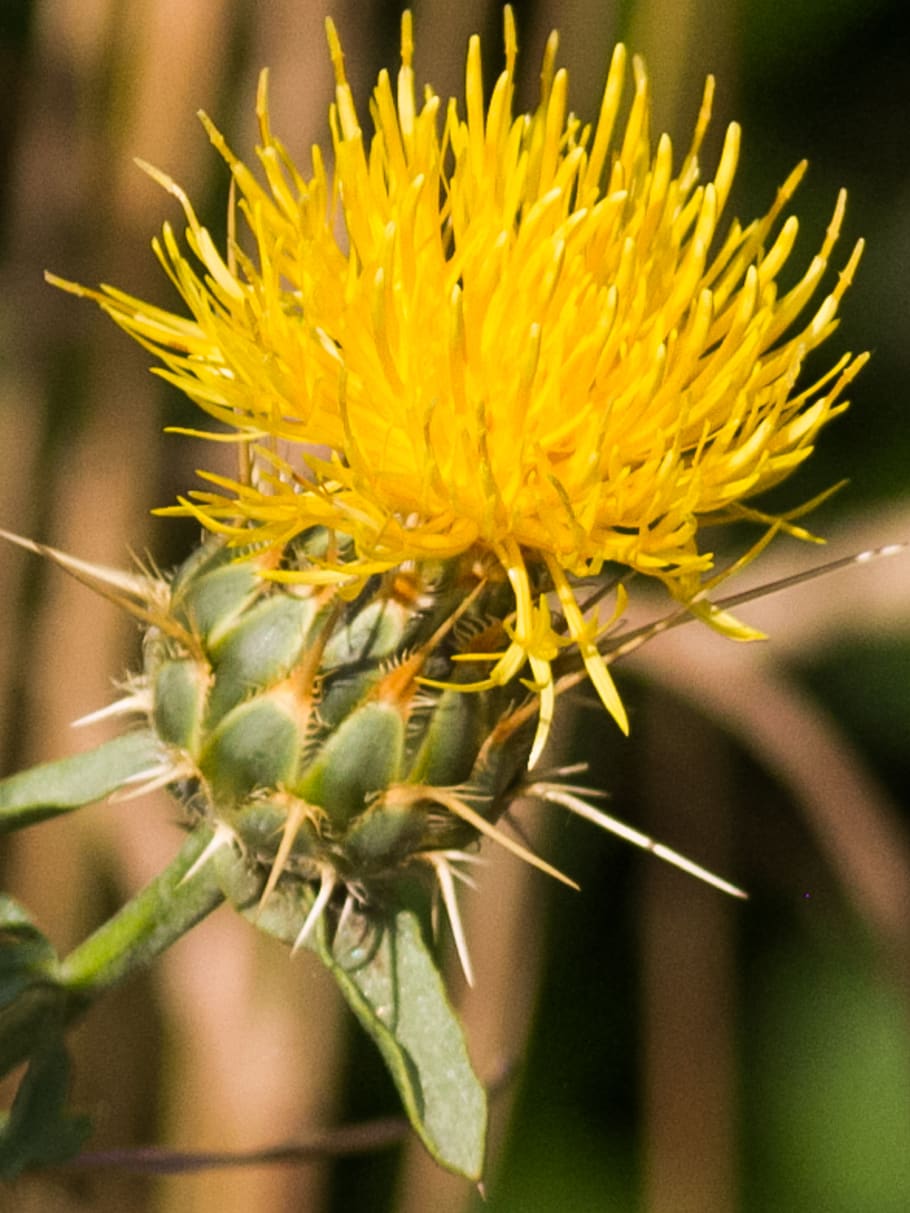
57 993
156 917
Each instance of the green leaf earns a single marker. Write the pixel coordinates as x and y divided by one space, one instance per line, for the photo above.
32 1005
57 787
395 989
25 954
387 973
39 1131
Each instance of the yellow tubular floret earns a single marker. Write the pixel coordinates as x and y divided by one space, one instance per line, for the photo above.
494 332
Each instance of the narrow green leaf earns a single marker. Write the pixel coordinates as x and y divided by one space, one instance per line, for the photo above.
39 1131
25 954
394 987
35 1018
387 973
58 787
32 1005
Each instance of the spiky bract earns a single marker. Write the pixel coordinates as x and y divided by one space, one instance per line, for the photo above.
309 727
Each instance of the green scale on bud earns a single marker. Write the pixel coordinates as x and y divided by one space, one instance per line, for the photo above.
303 724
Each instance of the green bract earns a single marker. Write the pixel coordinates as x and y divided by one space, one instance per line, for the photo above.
311 728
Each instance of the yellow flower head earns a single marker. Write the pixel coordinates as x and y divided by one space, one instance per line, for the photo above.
515 335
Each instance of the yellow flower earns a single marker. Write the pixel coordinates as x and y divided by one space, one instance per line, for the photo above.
519 336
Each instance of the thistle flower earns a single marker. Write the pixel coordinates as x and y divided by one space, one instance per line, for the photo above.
472 364
516 336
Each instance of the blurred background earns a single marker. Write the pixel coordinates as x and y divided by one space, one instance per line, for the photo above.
670 1050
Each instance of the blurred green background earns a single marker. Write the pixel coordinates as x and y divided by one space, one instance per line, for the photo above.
670 1050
